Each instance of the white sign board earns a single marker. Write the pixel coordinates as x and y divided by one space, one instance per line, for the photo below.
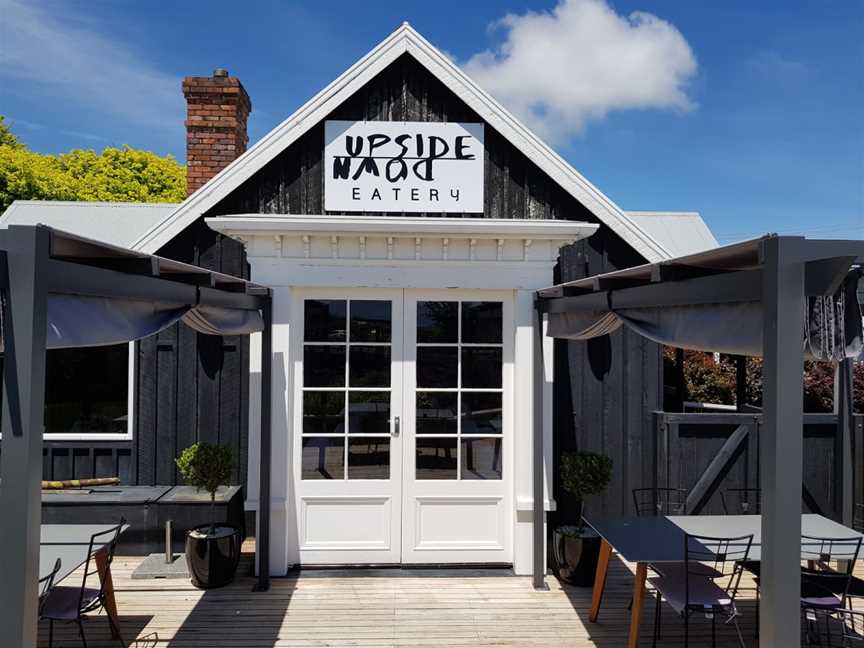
403 166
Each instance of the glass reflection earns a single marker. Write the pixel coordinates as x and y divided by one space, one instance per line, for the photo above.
437 366
481 367
324 320
481 322
481 413
369 413
370 321
323 412
436 413
481 458
437 321
324 366
369 366
436 458
369 457
323 458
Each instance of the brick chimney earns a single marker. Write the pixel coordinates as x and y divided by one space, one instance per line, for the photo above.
217 108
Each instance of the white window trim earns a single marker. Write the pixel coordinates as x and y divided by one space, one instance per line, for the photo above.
101 436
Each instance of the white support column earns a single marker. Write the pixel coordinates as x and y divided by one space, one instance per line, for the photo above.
781 447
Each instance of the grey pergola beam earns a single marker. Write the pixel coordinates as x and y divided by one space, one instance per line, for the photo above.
781 443
23 421
262 540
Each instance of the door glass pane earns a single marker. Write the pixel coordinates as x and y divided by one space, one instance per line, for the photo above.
324 366
437 366
436 458
370 321
481 322
481 413
323 412
324 320
369 366
436 413
437 321
369 457
481 367
369 412
481 458
323 458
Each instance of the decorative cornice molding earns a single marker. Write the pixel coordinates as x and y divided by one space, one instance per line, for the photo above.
388 238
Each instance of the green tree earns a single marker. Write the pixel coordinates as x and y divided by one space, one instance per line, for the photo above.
116 174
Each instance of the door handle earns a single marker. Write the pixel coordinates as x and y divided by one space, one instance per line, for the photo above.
396 423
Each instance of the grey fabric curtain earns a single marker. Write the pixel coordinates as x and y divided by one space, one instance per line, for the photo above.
214 320
831 326
79 321
76 321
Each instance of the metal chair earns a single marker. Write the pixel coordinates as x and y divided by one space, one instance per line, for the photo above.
741 501
826 580
692 592
659 501
46 584
71 604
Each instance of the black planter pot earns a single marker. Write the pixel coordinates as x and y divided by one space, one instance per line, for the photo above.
212 557
576 554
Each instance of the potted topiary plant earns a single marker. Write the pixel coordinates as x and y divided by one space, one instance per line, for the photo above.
212 550
577 547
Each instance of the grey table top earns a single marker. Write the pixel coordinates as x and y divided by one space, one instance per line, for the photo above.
661 539
113 495
70 543
191 495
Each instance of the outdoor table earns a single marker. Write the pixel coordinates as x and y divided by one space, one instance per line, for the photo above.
71 543
644 540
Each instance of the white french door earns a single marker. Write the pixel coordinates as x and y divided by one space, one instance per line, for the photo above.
402 441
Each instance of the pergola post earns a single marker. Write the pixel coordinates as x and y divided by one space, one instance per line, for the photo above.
843 456
262 533
781 445
537 472
24 327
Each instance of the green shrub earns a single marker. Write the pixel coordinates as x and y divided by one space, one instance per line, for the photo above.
583 474
206 467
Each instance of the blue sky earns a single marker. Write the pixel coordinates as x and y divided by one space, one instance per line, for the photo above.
751 113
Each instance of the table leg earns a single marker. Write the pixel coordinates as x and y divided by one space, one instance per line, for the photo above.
638 599
600 580
110 603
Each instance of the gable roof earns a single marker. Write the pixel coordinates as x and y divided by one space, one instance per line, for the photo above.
681 233
119 224
404 40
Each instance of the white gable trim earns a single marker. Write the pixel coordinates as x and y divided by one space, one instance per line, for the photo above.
404 39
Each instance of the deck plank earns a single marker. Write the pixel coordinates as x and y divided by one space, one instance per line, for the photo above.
383 609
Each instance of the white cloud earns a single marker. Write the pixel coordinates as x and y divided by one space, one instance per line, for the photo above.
558 69
48 54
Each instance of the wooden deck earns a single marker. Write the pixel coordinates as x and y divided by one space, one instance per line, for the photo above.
381 608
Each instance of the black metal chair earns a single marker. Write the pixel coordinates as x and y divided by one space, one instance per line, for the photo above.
46 584
71 604
826 581
692 592
659 501
741 501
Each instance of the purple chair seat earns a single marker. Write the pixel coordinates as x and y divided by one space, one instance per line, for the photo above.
62 602
704 592
825 602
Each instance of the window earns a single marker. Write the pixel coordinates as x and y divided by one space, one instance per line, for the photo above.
459 429
346 389
87 391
